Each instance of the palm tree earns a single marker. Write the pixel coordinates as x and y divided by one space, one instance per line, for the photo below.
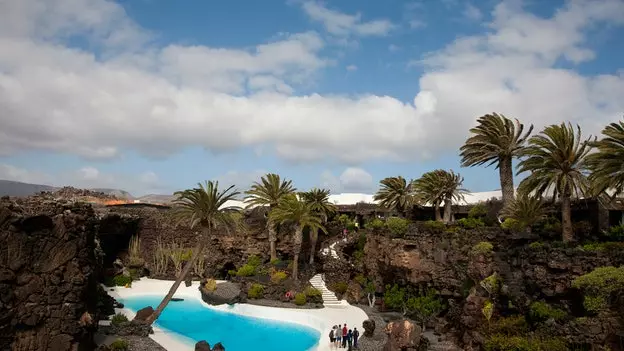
396 194
294 212
318 199
203 206
269 192
556 159
496 140
429 189
451 191
606 163
525 209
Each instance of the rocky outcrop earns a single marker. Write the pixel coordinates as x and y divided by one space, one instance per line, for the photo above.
403 335
369 327
48 287
225 293
204 346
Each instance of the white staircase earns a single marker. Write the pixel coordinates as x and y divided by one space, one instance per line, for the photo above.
329 298
331 250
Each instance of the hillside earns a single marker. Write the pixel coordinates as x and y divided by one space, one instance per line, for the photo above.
19 189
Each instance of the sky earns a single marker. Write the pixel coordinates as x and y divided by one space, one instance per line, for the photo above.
153 96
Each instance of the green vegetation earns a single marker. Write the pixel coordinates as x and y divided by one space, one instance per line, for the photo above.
360 279
488 310
536 245
210 285
318 200
119 319
122 280
478 211
396 193
470 223
134 252
525 210
599 285
160 259
435 226
256 291
376 224
606 246
541 311
511 224
119 345
606 163
254 261
394 296
312 293
482 248
513 325
300 299
346 222
440 187
278 276
276 262
616 233
246 270
492 284
425 306
340 287
522 343
397 226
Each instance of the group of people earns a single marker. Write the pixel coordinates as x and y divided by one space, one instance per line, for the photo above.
342 337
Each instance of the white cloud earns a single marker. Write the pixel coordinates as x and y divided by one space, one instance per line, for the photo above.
417 23
351 180
352 68
472 12
342 24
158 100
88 178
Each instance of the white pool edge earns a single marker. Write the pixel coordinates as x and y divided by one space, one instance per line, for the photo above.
319 319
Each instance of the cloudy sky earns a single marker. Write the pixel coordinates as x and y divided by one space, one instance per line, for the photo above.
153 96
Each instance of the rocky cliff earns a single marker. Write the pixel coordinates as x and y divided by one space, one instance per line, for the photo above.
47 275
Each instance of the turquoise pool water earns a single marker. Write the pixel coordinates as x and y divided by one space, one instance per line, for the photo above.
237 333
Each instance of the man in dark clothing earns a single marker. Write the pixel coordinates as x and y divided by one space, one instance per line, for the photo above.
356 335
350 339
344 336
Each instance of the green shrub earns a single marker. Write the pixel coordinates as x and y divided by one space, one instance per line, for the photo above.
519 343
394 296
470 223
340 287
232 273
246 270
536 245
425 306
482 248
541 311
278 276
360 279
122 280
397 226
119 345
478 211
135 273
312 292
492 284
358 255
549 225
599 285
510 326
256 291
376 224
361 242
210 285
254 261
435 226
346 222
511 224
118 319
607 246
276 261
300 299
616 233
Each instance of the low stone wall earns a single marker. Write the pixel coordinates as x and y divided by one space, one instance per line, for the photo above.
47 280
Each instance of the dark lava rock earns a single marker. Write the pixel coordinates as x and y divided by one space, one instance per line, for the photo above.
135 327
369 327
224 293
403 335
218 347
144 313
202 346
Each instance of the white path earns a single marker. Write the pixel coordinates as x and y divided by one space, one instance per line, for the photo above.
329 298
331 250
320 319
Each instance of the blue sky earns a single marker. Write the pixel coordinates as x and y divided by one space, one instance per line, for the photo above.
153 96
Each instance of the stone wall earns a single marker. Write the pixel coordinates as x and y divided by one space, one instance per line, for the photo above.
47 277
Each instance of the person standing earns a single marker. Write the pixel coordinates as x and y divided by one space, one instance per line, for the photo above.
356 336
338 335
345 331
332 339
350 339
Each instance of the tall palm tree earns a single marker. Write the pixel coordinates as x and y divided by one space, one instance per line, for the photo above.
451 191
397 194
496 140
204 206
606 163
269 192
526 209
429 189
299 215
556 159
318 199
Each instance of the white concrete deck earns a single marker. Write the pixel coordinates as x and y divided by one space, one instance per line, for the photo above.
319 319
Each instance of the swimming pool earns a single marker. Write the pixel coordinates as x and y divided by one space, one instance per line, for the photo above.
191 319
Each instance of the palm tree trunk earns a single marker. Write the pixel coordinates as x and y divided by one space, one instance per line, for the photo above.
196 253
447 210
505 170
566 219
313 240
297 249
436 208
272 240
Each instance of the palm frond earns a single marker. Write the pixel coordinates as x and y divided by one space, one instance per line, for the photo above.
268 191
607 163
396 193
205 205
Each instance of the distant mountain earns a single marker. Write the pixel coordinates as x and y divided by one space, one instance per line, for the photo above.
11 188
19 189
156 199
